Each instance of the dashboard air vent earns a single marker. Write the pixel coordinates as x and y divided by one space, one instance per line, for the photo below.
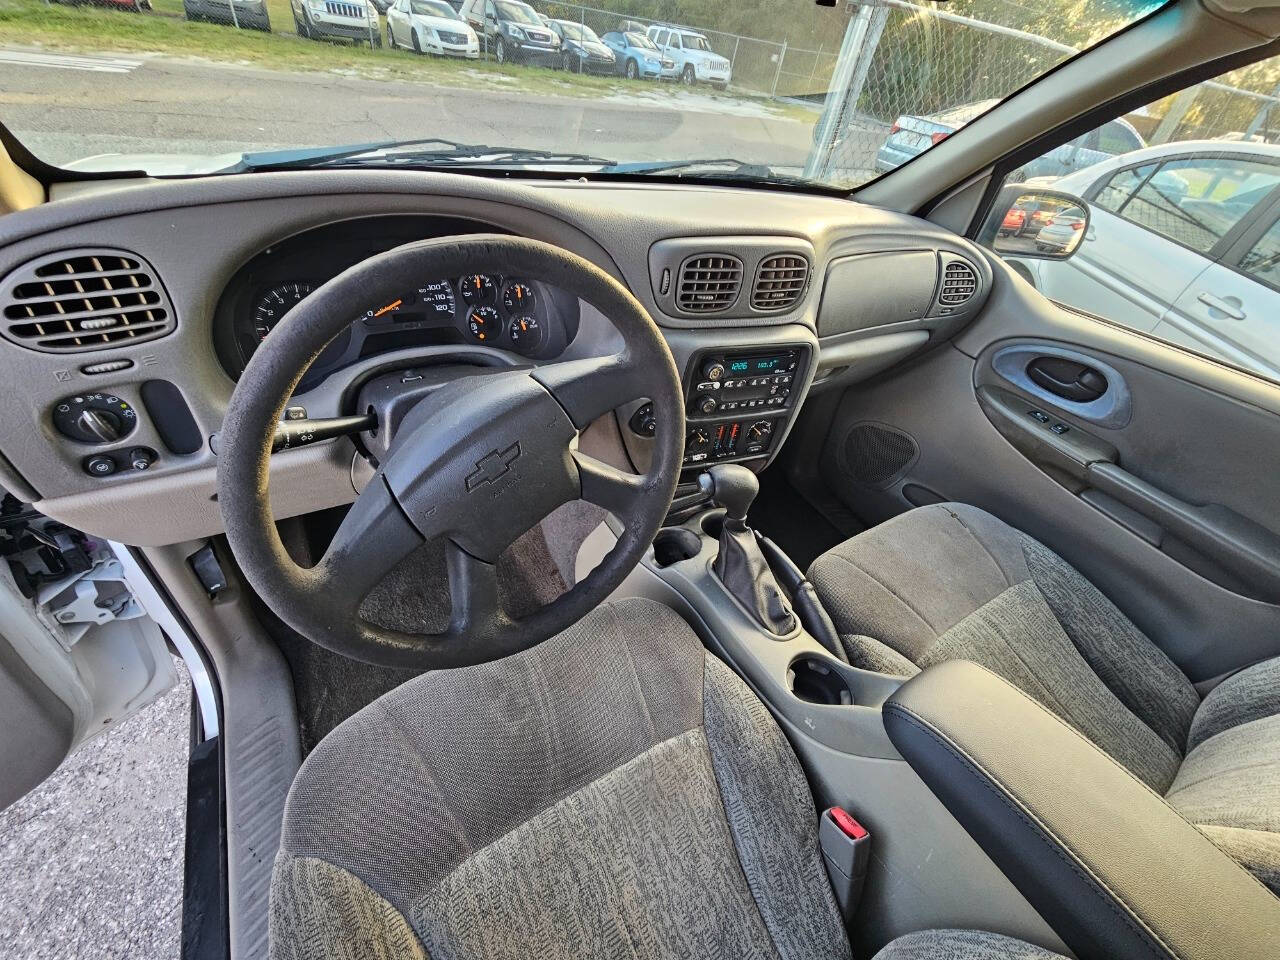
959 283
84 300
708 283
780 280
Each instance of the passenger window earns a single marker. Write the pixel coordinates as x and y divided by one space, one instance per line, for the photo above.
1176 246
1195 201
1262 262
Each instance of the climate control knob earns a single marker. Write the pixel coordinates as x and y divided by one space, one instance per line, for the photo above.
705 404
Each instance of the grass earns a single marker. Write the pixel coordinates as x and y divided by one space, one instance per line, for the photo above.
91 29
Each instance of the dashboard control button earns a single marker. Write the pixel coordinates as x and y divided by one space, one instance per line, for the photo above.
643 422
1059 428
99 466
1038 415
705 404
140 458
713 370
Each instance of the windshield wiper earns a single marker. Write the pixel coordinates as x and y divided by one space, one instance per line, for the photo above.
407 153
715 168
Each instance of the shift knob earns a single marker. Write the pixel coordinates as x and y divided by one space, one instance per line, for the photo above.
732 486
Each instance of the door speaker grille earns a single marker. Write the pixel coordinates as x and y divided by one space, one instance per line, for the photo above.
875 455
84 300
709 283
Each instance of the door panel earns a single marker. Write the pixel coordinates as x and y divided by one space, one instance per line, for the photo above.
1172 508
1228 315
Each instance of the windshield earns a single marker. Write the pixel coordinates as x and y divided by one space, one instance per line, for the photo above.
518 13
576 31
793 93
434 8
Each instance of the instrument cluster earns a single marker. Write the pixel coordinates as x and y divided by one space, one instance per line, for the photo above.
517 314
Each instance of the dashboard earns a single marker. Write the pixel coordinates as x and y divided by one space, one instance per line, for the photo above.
129 309
518 314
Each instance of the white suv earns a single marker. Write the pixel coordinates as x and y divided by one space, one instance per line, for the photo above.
691 52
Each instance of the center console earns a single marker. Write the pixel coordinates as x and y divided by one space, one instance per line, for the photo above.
737 401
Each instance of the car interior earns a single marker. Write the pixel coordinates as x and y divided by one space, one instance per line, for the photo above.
617 566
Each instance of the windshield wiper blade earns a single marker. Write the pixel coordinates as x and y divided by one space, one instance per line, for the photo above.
706 169
398 153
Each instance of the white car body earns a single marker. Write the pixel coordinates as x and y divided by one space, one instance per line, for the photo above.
441 35
1147 281
686 49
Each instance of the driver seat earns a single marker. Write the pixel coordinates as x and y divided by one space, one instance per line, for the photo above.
612 792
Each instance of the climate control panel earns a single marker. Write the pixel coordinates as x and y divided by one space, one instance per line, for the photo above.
738 401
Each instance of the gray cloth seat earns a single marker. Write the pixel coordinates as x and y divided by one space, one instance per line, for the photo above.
612 792
951 582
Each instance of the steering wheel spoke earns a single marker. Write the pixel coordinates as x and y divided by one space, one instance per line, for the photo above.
590 388
473 594
372 539
606 486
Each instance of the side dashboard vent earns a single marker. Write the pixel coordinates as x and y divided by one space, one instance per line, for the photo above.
959 283
780 282
709 283
84 300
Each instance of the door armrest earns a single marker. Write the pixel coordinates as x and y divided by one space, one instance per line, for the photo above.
1111 867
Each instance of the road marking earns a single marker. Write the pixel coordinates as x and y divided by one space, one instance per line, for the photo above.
68 62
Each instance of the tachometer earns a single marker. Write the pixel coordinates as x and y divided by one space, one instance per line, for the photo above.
437 299
275 303
483 323
477 288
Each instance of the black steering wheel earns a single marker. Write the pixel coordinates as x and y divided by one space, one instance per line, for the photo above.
475 464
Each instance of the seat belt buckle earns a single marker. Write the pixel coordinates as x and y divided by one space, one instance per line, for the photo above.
846 851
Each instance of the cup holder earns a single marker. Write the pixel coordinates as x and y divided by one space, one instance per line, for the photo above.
673 544
813 681
712 524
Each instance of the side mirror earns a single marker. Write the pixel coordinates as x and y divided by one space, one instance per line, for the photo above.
1035 223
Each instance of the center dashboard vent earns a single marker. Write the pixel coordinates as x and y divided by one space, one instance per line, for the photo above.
83 300
780 280
708 283
959 283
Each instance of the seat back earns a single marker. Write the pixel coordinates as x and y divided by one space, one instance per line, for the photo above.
614 791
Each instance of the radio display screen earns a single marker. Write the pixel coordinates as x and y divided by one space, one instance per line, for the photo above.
748 366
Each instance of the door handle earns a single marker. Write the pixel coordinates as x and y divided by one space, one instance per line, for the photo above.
1067 379
1229 306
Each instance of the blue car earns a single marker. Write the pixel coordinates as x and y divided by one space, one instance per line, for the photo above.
637 56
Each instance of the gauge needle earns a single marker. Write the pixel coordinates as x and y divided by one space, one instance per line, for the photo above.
388 308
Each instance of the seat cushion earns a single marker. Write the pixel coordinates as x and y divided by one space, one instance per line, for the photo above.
1229 786
1245 696
949 582
613 791
962 945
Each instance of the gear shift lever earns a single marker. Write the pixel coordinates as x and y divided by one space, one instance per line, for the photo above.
740 565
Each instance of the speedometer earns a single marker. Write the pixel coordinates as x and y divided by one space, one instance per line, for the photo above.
438 300
275 303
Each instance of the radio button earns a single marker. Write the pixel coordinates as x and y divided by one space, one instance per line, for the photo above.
706 404
713 370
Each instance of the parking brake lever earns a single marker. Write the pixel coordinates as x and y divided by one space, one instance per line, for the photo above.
804 598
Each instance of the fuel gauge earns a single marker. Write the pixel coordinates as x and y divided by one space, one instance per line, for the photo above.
483 323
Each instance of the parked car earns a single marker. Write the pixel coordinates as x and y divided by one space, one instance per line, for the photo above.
911 135
1183 243
248 13
513 31
636 56
1026 216
1059 232
695 61
581 50
431 26
355 20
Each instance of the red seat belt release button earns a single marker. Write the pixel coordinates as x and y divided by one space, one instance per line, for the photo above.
846 851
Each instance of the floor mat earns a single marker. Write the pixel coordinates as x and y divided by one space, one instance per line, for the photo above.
790 521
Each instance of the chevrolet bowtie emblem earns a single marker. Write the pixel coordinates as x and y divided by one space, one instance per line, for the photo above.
493 466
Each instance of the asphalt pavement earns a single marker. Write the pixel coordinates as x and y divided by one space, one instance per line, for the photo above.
91 860
67 107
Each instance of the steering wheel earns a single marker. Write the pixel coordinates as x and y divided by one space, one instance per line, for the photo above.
474 464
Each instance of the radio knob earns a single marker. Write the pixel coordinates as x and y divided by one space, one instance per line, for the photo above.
705 404
713 370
